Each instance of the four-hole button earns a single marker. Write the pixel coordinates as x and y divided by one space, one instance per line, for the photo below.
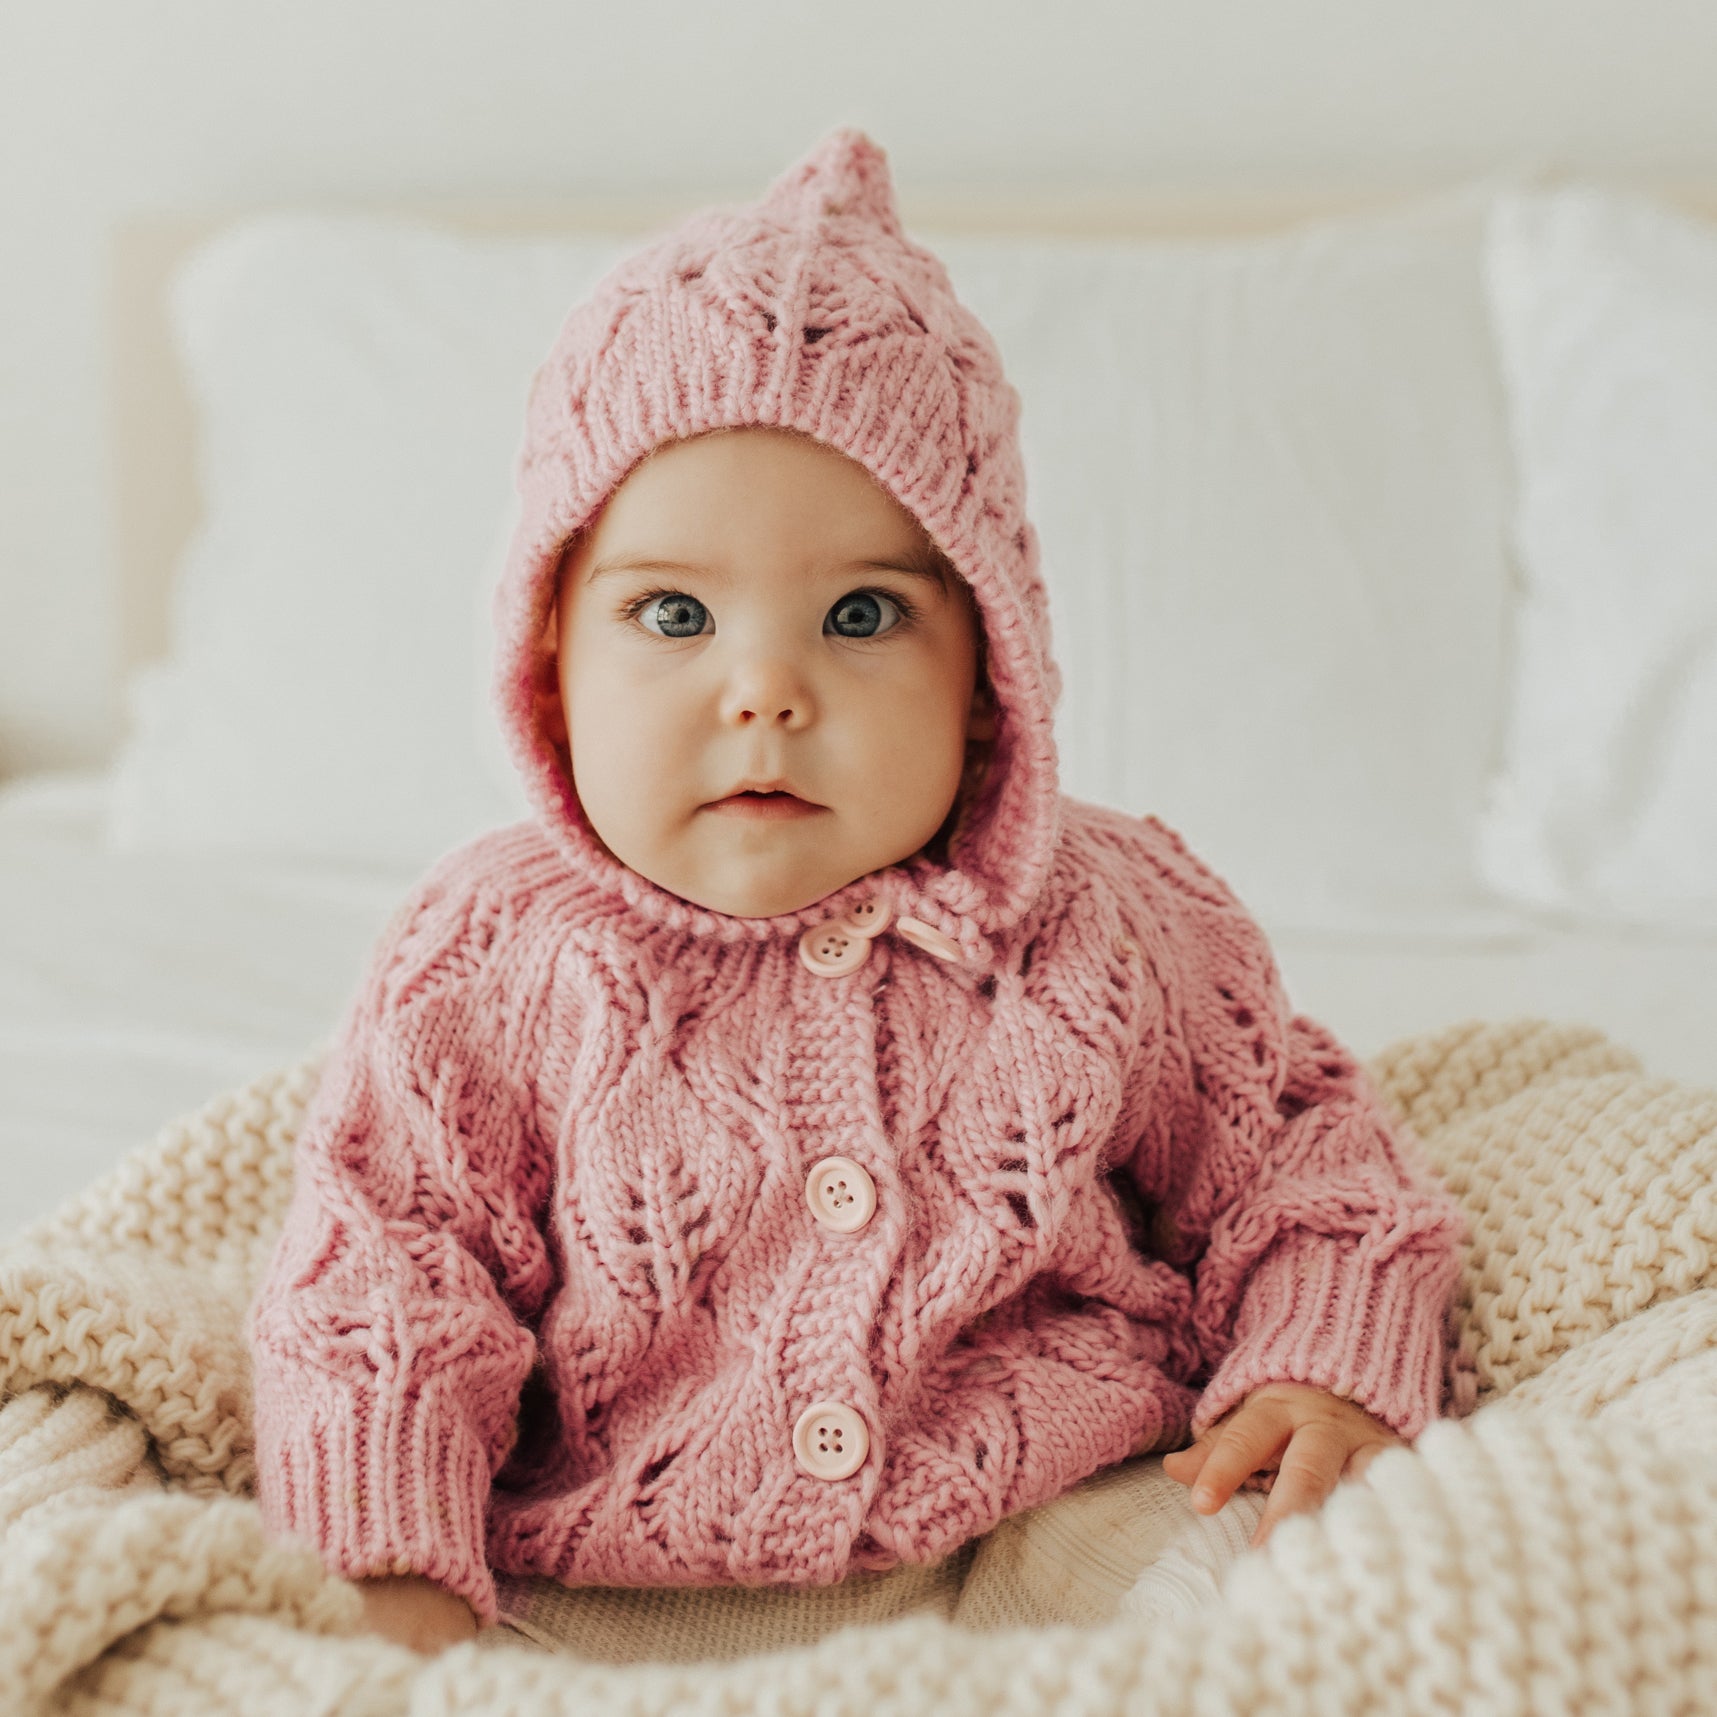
830 1440
831 948
841 1195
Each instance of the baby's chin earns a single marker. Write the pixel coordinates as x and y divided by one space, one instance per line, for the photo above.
739 889
760 866
751 899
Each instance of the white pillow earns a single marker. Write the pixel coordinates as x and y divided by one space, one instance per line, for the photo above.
1272 482
1270 476
361 387
1606 318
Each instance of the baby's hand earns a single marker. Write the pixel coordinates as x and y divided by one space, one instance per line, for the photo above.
1327 1439
413 1611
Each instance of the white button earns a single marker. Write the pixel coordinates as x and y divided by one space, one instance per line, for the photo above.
830 1440
831 948
869 918
841 1195
927 937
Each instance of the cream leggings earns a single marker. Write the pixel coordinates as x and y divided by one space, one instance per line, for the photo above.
1126 1541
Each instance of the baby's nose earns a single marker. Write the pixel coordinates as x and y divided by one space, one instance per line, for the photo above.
766 691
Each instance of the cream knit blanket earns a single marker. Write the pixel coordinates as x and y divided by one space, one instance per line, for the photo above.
1556 1550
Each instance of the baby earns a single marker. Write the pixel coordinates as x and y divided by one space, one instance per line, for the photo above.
811 1139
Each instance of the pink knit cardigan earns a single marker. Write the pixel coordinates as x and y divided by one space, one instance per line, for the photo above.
552 1189
576 1277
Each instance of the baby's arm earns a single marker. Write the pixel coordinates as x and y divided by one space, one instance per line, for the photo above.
1331 1254
388 1343
1325 1249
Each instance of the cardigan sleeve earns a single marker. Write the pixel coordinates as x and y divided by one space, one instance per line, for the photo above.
390 1336
1326 1250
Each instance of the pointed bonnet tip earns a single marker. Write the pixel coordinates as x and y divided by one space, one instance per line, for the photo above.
845 177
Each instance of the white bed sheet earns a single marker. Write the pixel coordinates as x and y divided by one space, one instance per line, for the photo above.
134 986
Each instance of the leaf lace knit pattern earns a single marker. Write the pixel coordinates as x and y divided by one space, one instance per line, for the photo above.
553 1182
1552 1551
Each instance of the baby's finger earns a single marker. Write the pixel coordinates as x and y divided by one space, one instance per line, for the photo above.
1189 1462
1252 1438
1361 1458
1309 1471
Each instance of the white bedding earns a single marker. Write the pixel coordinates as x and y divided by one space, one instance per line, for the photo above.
133 986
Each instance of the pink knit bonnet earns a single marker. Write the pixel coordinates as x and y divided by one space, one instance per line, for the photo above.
810 310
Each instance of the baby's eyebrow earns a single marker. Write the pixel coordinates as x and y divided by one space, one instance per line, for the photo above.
919 569
928 571
645 563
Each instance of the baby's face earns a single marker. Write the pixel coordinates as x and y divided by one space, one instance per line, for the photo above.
767 682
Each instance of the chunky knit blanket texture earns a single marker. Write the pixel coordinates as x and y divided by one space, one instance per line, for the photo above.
1552 1549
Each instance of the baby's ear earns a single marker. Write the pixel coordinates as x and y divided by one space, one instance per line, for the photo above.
550 711
551 717
981 718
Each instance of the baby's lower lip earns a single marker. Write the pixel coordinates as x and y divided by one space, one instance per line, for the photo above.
764 805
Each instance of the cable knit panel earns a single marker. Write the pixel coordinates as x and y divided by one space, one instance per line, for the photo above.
551 1297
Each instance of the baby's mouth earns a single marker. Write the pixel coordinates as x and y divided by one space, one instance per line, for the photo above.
756 802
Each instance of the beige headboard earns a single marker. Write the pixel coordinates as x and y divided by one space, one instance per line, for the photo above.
156 501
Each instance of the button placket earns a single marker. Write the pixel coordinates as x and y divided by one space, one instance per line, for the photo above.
830 1440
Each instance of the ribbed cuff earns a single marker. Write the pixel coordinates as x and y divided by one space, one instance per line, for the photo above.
1328 1311
380 1486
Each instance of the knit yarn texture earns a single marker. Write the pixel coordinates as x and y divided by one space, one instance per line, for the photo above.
550 1297
1550 1551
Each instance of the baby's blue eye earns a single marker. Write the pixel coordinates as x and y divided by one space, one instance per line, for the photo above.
676 615
860 614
